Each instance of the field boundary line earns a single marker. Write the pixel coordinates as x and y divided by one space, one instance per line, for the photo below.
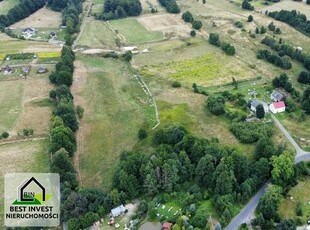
148 92
23 140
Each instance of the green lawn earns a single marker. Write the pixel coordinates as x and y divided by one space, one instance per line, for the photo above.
22 157
300 193
134 32
6 5
112 118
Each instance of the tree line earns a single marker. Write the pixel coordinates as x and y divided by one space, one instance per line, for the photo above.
114 9
295 19
185 163
20 11
273 58
171 6
288 50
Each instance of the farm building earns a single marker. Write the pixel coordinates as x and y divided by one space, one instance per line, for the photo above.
255 103
277 107
41 69
276 96
29 30
7 70
120 210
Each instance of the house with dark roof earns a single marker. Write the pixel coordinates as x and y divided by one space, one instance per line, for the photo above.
277 107
29 30
276 96
255 103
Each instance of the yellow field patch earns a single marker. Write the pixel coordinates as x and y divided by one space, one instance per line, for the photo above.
49 55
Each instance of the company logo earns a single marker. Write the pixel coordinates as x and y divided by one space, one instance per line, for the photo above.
32 200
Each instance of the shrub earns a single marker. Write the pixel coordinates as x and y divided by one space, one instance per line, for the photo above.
239 24
197 25
193 33
5 134
27 132
80 112
176 84
142 134
250 18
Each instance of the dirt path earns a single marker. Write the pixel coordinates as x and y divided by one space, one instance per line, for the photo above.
83 23
22 140
119 35
79 81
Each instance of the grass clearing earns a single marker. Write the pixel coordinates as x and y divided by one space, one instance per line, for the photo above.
97 35
134 32
43 18
112 116
6 5
30 156
300 193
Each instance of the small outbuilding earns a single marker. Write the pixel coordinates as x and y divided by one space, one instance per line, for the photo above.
120 210
277 107
255 103
276 96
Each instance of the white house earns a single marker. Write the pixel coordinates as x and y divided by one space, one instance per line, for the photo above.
277 107
255 103
118 211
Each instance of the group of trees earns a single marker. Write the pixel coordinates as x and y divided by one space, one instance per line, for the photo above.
229 49
20 11
188 17
250 132
304 77
181 159
273 28
283 82
216 105
293 18
114 9
171 6
282 62
63 75
288 50
247 5
305 103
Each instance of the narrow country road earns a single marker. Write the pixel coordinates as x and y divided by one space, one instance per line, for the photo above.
247 212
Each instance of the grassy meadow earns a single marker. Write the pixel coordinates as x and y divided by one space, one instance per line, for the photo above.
113 116
30 156
134 32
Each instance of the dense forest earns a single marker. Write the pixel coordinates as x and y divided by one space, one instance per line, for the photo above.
114 9
171 6
294 19
20 11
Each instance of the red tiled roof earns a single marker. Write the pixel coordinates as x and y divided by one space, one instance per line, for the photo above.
167 225
279 105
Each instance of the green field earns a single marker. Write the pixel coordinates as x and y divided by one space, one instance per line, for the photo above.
300 193
30 156
97 35
6 5
134 32
113 115
10 103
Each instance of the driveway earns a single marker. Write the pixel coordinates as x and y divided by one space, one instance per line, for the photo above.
247 213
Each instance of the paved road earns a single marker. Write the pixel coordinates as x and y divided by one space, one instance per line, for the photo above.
247 212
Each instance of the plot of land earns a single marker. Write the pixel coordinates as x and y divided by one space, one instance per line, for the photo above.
42 18
30 156
20 103
6 5
115 108
134 32
97 35
300 193
170 25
